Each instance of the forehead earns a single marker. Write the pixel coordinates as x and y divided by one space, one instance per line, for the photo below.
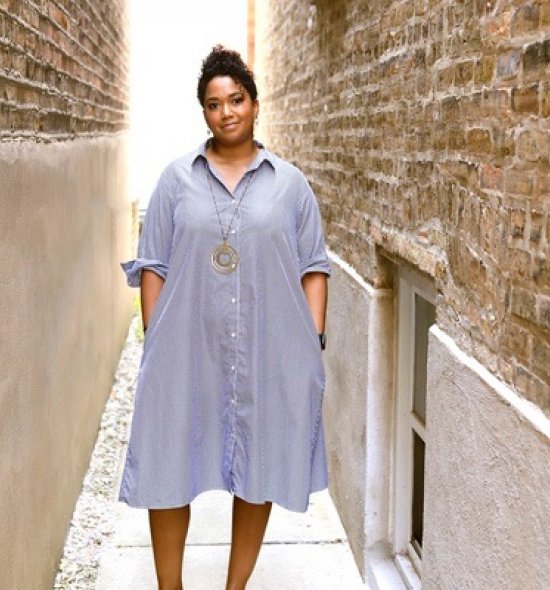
221 86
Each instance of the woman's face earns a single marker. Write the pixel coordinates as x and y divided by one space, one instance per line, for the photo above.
229 111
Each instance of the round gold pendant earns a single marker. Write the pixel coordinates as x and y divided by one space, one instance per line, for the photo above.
224 258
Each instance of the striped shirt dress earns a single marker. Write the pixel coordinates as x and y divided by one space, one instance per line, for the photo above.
231 381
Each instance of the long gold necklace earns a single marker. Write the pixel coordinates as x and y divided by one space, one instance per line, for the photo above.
225 257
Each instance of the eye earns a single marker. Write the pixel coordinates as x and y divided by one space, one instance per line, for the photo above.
212 106
238 99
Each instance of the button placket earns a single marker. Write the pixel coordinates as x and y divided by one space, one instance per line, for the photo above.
235 308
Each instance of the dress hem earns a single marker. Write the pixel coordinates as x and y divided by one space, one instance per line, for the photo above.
280 503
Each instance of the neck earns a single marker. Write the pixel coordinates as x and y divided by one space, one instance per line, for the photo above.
233 153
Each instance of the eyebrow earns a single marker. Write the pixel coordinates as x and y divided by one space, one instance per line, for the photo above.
230 95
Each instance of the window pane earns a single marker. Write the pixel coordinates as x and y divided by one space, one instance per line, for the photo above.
424 318
418 493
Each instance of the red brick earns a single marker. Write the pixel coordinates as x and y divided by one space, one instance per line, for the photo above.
525 19
536 58
478 140
541 273
543 191
537 226
4 118
450 109
492 177
470 106
484 70
546 101
444 78
519 263
496 103
541 356
506 370
522 379
463 73
526 100
524 304
496 27
518 183
455 139
532 145
508 64
517 222
518 340
544 312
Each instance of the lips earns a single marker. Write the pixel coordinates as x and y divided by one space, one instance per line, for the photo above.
229 125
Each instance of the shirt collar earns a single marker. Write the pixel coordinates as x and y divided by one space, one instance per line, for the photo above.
264 154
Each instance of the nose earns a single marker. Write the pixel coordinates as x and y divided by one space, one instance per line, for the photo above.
226 109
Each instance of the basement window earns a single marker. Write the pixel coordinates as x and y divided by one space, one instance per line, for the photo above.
417 313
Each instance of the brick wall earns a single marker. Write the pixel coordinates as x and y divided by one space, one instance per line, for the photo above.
63 68
424 128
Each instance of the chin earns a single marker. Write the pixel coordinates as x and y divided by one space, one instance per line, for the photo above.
234 139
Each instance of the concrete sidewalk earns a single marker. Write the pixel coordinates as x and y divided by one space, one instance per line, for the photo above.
300 551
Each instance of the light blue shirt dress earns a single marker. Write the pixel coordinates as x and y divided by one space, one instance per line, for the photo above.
231 380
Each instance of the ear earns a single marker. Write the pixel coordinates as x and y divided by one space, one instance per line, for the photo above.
256 108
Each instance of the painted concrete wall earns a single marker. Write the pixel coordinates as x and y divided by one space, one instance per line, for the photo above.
487 521
345 402
65 222
358 406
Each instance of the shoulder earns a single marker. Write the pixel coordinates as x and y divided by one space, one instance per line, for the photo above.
178 166
177 171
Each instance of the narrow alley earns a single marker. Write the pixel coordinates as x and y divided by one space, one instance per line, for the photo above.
399 147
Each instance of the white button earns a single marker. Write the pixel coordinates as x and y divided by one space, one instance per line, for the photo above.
233 231
233 401
232 367
233 300
233 334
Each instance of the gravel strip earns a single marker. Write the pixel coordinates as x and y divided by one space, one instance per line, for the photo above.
94 518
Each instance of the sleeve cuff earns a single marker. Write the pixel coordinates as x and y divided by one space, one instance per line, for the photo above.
133 269
316 265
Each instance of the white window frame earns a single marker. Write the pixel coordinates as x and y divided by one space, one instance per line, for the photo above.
410 283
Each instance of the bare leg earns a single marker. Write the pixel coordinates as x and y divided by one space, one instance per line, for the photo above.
169 528
249 524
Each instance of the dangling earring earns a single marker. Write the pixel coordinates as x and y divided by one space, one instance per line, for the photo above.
208 131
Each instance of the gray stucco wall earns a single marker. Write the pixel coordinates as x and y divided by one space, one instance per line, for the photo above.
487 522
65 222
345 402
358 406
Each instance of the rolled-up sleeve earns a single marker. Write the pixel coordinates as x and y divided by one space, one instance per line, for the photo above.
155 240
312 255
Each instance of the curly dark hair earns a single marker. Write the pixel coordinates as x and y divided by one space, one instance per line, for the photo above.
225 62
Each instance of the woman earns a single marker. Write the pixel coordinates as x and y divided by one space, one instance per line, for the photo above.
233 274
